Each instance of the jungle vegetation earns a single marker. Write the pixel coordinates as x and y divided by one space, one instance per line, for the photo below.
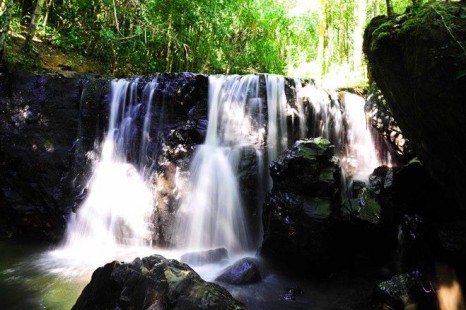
305 38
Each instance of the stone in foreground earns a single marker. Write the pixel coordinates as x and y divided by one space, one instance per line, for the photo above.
153 282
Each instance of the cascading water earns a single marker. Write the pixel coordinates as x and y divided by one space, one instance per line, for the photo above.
277 135
212 214
360 158
119 201
343 122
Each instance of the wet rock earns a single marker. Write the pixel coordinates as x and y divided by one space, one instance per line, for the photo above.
383 121
307 226
408 290
292 292
309 168
381 180
152 283
249 181
298 232
205 257
297 214
244 271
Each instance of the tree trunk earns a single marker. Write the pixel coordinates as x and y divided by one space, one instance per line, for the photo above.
322 38
360 12
33 25
389 7
5 27
48 4
26 11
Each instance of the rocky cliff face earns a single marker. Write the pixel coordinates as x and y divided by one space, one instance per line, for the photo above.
418 60
47 128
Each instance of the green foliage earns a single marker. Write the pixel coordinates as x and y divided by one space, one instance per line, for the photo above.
385 30
224 36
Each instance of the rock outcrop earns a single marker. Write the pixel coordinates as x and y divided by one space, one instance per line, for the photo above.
417 60
297 216
48 126
152 282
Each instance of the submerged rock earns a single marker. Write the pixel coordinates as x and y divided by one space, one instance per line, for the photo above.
152 283
244 271
205 257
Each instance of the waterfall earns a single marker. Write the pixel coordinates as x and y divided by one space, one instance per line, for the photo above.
342 120
119 200
360 158
213 212
277 135
250 119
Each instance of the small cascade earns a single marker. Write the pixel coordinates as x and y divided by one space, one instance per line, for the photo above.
119 201
302 113
149 91
360 156
342 120
277 134
212 214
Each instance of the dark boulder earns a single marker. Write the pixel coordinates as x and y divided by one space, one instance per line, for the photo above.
309 168
152 283
311 224
298 213
244 271
250 187
417 60
406 291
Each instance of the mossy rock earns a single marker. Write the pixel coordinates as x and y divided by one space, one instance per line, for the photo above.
153 283
313 148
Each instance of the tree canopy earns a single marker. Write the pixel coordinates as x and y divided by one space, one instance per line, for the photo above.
302 38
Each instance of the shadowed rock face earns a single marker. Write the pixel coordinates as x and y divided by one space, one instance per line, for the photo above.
152 283
418 60
47 127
